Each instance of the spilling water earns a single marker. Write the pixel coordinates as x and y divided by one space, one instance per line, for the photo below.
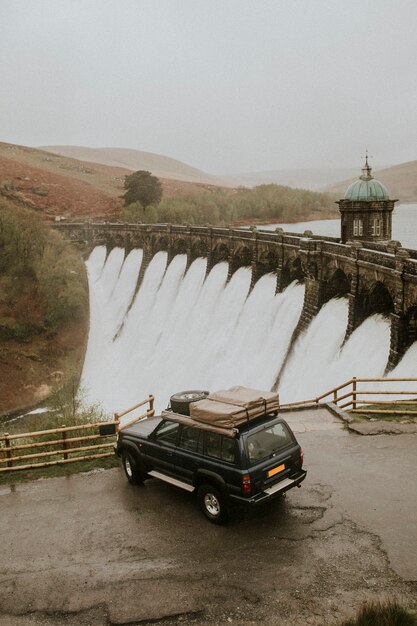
192 331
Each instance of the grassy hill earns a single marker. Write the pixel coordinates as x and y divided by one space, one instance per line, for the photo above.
57 185
43 308
158 165
400 180
314 179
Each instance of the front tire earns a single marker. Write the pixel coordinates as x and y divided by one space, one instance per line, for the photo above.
132 469
213 504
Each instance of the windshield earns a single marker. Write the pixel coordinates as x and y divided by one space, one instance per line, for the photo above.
267 442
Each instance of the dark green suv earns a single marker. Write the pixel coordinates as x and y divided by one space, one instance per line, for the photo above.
248 465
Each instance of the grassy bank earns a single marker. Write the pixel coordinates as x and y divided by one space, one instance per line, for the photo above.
395 412
67 408
43 308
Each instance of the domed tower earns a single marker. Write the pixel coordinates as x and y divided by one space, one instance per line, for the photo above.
366 209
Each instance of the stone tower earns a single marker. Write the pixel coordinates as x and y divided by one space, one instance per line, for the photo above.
366 210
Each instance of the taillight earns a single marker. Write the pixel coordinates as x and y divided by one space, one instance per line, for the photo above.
301 457
246 486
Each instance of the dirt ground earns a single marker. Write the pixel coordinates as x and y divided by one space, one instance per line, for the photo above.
92 549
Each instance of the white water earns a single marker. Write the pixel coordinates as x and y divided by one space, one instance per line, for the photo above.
185 330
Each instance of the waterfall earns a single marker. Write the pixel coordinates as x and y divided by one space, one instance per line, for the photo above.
188 330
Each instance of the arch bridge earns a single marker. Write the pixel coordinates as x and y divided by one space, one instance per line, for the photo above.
375 277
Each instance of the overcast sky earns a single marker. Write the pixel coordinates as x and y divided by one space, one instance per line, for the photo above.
224 85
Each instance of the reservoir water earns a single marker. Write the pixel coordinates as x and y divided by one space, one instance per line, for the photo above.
404 226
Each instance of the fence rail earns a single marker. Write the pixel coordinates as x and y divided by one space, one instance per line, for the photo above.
358 400
19 451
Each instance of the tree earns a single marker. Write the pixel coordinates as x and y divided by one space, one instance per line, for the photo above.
142 187
133 213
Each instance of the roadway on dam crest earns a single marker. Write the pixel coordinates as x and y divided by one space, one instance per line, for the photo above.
92 549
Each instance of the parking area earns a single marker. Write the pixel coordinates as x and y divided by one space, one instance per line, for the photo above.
92 549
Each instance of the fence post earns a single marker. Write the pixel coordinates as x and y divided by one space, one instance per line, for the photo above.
116 419
64 444
8 450
354 392
151 409
335 396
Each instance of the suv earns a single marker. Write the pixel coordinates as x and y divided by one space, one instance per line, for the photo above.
249 465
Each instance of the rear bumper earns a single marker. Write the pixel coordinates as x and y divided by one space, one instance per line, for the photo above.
272 492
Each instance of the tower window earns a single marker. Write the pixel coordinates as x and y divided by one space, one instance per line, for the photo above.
357 228
376 227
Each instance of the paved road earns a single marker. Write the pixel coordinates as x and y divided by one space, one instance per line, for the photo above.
91 549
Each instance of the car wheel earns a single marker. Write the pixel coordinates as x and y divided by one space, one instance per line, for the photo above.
213 504
180 402
132 469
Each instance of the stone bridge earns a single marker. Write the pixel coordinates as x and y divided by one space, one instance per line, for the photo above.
375 277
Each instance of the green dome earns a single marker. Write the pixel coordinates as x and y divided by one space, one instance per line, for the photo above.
366 190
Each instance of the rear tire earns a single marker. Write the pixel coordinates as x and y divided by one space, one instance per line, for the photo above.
180 402
213 504
132 469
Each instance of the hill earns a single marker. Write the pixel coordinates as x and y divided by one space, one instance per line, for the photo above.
313 179
43 309
158 165
57 185
400 180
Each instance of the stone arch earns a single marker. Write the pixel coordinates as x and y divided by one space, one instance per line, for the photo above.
268 261
179 246
337 286
292 270
199 249
161 244
377 299
242 256
221 252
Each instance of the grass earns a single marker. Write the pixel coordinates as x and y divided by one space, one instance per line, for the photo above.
394 417
67 408
382 614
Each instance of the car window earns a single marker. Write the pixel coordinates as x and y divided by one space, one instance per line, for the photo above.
167 433
190 439
214 445
266 442
220 447
228 449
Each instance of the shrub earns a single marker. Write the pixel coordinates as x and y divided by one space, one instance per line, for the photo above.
382 614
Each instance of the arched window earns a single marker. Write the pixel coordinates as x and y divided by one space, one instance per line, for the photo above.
357 227
376 227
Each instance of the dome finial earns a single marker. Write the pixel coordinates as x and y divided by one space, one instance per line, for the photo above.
367 169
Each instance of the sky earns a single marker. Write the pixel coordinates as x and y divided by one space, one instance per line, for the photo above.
224 85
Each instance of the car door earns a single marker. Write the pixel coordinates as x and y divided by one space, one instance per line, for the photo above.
189 452
160 450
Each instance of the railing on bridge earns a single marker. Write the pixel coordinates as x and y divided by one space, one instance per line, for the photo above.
352 396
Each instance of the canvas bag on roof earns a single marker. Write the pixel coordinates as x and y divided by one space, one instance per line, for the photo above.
228 408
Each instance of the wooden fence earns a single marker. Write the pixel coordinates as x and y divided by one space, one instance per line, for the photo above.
356 398
66 444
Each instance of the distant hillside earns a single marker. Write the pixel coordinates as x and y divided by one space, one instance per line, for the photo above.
400 180
58 185
314 179
158 165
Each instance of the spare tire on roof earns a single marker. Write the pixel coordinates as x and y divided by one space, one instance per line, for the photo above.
180 402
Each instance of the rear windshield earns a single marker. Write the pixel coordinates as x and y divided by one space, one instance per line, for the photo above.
265 443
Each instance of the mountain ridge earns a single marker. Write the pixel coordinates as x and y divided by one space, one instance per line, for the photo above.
129 158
